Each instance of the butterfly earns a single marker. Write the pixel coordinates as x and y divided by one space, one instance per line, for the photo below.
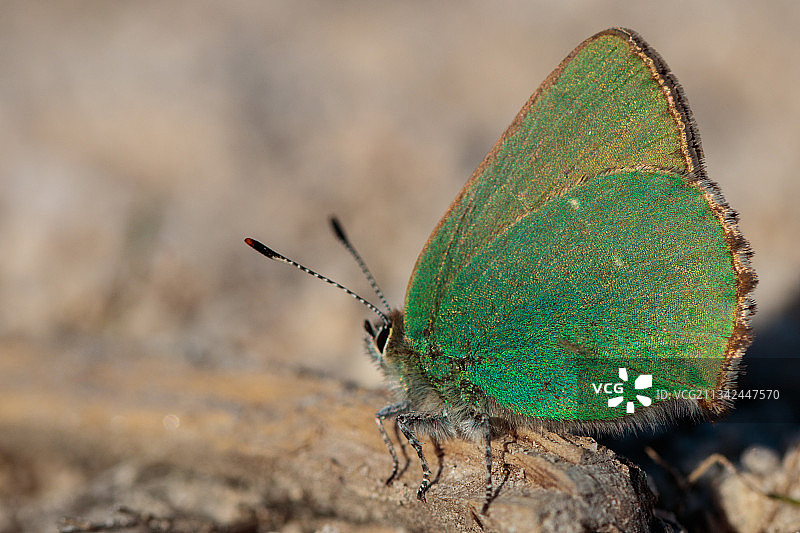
588 247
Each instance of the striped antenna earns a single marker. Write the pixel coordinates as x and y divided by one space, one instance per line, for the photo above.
272 254
337 229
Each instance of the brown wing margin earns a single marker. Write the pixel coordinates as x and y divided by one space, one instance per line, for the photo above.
742 336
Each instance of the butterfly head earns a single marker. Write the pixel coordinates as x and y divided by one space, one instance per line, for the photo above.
384 338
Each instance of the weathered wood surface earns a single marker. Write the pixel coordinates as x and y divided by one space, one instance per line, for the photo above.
204 449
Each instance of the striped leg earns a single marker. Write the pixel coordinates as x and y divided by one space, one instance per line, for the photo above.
407 422
390 411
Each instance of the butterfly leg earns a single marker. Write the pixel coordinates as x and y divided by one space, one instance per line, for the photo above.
440 458
390 411
487 435
399 438
407 422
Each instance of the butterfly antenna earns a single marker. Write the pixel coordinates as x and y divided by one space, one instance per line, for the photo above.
337 229
272 254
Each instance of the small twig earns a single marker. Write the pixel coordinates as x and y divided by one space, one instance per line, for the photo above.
719 459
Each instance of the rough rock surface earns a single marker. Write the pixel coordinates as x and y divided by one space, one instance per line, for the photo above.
189 447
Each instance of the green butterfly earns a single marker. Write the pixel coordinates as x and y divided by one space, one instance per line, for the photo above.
587 248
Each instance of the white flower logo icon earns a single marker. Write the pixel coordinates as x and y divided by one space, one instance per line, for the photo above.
644 381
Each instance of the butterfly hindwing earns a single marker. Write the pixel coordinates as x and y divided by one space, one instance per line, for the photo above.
589 282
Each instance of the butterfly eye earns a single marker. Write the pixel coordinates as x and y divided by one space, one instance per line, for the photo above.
379 336
382 337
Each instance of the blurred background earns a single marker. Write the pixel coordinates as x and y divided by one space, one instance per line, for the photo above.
141 142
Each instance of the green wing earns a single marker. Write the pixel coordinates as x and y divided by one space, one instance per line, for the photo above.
589 231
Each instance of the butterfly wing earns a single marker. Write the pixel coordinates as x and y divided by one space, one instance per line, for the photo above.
588 239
